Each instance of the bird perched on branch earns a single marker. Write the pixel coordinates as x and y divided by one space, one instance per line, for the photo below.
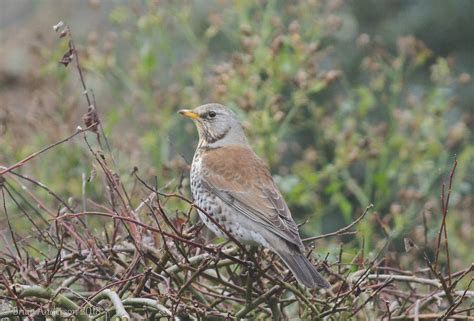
234 187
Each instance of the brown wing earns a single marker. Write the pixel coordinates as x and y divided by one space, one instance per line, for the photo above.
241 179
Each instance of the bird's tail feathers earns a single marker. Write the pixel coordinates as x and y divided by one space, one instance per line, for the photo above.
302 269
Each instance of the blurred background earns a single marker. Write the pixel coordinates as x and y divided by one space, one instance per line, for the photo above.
349 102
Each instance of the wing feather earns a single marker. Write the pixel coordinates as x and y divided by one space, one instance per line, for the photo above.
241 179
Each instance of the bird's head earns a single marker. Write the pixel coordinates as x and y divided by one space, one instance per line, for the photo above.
216 125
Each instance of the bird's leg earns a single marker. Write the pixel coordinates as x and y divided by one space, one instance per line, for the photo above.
247 274
250 268
250 258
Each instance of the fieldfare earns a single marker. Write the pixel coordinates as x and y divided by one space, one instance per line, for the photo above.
235 188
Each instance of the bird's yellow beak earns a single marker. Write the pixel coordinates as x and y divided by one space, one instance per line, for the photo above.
189 113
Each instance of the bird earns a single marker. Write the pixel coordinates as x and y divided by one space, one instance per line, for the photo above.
234 187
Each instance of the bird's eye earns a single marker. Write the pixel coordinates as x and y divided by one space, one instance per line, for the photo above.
212 114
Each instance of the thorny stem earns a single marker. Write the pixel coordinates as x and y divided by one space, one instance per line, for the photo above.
444 208
25 160
342 230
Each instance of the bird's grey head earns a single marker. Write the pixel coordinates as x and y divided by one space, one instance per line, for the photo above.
217 125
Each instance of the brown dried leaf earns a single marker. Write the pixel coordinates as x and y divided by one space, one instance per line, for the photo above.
409 244
63 33
67 57
91 118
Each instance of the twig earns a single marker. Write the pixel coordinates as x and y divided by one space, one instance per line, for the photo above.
430 316
405 278
46 293
386 283
23 161
203 266
246 309
116 301
9 224
140 302
458 302
340 231
440 278
444 208
209 249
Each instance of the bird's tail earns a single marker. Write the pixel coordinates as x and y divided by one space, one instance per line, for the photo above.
302 269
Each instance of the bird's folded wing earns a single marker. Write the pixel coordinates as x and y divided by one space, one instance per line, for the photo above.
241 180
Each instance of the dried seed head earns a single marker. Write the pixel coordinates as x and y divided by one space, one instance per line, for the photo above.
464 78
116 178
245 29
277 44
63 33
363 40
409 244
67 57
294 27
91 118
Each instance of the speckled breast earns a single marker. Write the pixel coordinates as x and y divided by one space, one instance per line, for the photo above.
204 199
218 210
